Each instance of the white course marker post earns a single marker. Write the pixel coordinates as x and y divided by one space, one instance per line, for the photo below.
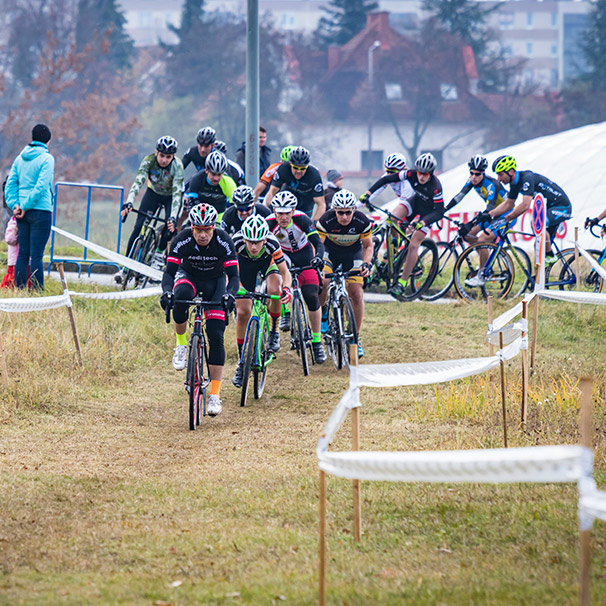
490 321
576 264
70 311
322 537
524 353
355 446
535 322
502 363
586 385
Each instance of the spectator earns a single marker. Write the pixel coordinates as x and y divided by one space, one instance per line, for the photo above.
29 194
264 153
12 239
334 184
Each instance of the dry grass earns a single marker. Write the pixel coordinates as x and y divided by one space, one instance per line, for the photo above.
109 499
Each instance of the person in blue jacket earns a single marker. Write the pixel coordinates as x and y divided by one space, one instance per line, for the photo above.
29 194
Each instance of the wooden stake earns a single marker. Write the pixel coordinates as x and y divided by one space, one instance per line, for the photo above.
489 300
70 311
524 368
322 529
535 322
586 385
576 264
355 445
503 391
3 365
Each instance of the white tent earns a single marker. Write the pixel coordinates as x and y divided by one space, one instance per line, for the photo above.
574 159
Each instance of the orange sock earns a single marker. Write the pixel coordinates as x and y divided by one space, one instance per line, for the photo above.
215 387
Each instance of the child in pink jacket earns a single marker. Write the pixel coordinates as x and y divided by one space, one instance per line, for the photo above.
12 239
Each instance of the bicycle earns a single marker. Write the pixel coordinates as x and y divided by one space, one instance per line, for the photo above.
144 246
300 329
342 331
396 249
256 357
197 378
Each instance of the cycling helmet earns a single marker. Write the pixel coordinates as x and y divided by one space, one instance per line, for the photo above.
167 145
284 202
243 197
203 215
395 162
299 156
478 163
206 136
285 153
255 228
426 163
503 164
344 199
220 146
216 163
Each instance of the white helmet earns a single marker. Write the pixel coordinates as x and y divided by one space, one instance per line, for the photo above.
395 162
216 163
426 163
255 228
344 199
284 202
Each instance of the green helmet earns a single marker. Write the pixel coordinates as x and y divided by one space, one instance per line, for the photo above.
285 153
504 164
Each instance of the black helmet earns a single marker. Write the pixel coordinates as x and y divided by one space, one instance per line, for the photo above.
220 146
478 162
243 197
167 145
299 156
206 136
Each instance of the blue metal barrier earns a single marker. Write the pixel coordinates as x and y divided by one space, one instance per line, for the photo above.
84 259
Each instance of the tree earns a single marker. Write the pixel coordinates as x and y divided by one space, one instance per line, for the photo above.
345 19
102 20
593 45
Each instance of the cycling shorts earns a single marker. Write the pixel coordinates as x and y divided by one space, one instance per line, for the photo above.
409 215
556 215
347 260
187 287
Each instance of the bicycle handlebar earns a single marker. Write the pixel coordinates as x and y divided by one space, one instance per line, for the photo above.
390 215
259 296
147 213
591 228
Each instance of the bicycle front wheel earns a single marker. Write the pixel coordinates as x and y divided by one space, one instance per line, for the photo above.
300 331
423 272
497 277
444 279
131 274
248 356
332 337
195 380
261 362
147 252
572 269
348 329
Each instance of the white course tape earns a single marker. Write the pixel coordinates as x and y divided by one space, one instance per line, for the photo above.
35 303
349 400
598 268
141 268
506 317
500 465
117 295
572 296
510 332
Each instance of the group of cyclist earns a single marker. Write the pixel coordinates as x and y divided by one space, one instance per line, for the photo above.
224 237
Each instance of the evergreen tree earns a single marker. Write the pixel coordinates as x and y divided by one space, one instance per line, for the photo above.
593 45
102 22
345 18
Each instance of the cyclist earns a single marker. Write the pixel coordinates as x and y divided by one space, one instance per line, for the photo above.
394 164
263 185
303 180
210 185
197 154
259 251
528 183
233 168
243 206
163 173
421 203
491 190
589 222
202 260
302 246
347 234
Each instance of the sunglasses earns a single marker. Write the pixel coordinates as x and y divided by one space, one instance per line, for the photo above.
298 167
203 227
423 174
475 173
344 212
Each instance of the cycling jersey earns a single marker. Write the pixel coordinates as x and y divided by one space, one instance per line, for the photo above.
396 187
200 190
308 187
162 181
344 237
270 255
296 238
491 190
192 156
205 263
231 221
528 183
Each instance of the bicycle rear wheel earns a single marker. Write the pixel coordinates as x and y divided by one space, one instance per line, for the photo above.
248 356
570 268
444 279
260 364
195 380
332 336
522 279
299 332
498 277
423 272
147 252
348 329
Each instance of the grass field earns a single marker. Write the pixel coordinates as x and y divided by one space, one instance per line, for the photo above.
108 498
